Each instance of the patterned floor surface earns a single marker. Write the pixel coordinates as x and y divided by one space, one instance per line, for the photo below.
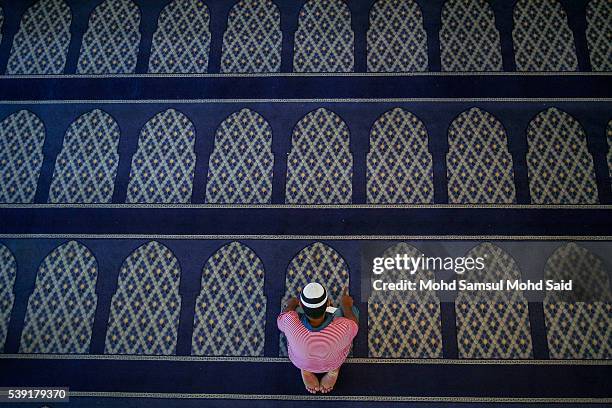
398 35
323 165
172 171
404 325
230 311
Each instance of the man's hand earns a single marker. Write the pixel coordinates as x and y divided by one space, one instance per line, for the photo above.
292 304
347 300
347 306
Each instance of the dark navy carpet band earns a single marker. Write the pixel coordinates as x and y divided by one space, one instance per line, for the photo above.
171 276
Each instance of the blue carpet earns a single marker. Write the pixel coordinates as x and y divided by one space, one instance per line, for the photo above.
170 171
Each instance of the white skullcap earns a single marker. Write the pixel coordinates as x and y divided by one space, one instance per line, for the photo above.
313 295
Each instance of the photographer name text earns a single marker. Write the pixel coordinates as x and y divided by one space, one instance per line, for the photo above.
464 285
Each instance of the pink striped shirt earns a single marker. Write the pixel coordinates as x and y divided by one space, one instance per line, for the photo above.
317 351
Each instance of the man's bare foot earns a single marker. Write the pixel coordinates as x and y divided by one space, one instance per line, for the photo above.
329 381
311 382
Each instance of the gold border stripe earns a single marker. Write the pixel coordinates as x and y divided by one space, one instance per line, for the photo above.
289 100
380 398
314 206
319 75
316 237
221 359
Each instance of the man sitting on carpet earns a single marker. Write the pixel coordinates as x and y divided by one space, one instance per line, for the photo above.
318 341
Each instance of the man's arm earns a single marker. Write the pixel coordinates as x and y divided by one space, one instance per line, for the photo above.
347 306
291 305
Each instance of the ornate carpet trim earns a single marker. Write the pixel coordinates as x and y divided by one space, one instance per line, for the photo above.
294 100
319 237
379 398
321 206
350 360
314 74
